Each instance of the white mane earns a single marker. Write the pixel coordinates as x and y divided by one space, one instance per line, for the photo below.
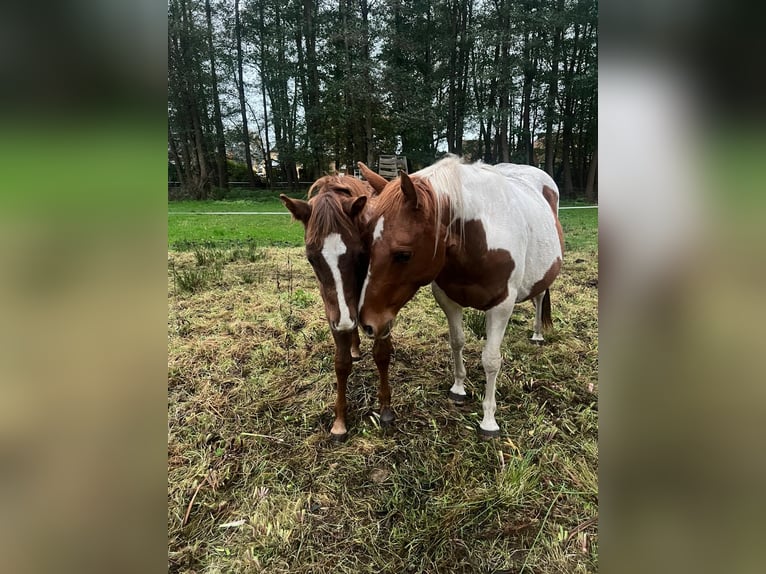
446 178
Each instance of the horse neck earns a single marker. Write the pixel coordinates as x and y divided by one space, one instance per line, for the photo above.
450 232
444 233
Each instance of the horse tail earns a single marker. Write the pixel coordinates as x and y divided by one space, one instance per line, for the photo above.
547 317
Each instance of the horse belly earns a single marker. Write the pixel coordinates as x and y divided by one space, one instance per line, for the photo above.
539 282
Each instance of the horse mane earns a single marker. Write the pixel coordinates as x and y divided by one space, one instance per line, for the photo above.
393 201
327 214
441 184
342 184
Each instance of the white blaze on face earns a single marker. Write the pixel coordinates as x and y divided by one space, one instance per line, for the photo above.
332 249
376 234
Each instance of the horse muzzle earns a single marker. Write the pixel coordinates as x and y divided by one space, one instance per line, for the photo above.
383 332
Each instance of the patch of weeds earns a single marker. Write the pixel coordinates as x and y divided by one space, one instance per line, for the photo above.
190 280
208 256
320 334
183 327
302 299
254 254
194 279
475 321
248 276
294 323
248 252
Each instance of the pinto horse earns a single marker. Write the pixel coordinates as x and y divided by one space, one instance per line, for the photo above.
339 257
484 237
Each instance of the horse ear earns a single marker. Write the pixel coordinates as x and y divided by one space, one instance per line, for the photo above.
354 208
408 189
378 182
300 209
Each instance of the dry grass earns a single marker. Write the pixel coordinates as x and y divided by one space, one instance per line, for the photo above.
255 484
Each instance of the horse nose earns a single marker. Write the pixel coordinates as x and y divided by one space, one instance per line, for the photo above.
367 330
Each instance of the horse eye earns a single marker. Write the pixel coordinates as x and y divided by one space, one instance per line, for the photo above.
402 256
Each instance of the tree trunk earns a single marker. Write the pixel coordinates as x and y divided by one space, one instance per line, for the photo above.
550 148
591 193
525 138
241 91
176 158
345 14
553 90
504 89
267 146
203 187
223 175
367 67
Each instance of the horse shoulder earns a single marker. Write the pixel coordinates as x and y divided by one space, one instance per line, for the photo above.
475 274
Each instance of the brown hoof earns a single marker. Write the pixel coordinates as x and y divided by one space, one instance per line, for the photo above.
387 418
488 434
459 400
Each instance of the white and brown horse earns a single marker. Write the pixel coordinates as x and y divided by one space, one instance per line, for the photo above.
484 237
339 257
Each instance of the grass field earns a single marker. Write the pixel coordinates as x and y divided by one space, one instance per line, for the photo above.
190 231
255 484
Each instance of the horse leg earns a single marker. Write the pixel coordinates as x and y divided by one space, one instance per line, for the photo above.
356 353
342 371
381 351
537 335
454 313
497 320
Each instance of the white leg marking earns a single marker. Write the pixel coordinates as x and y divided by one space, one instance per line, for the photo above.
497 320
332 249
538 332
454 313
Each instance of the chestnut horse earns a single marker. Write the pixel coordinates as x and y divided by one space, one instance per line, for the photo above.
339 257
484 237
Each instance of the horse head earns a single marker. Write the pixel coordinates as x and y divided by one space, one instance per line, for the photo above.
334 245
407 249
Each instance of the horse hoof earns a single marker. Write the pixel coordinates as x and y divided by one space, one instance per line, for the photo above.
355 359
459 400
387 418
537 342
338 438
488 434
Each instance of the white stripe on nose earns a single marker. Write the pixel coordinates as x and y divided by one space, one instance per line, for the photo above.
364 289
376 234
332 249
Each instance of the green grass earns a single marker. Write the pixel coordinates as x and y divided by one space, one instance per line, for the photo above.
256 485
580 230
189 231
257 201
